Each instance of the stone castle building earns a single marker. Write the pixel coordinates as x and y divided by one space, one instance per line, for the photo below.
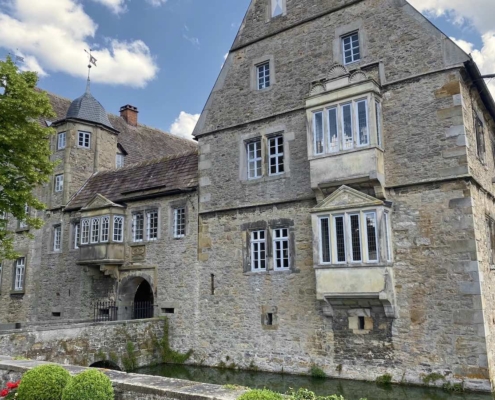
338 211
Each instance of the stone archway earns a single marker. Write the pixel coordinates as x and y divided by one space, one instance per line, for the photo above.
106 364
136 298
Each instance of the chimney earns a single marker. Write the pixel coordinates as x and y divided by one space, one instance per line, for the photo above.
130 114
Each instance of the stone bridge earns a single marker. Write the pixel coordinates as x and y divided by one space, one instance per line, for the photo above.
126 344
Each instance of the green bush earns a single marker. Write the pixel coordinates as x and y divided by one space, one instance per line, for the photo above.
261 394
45 382
89 385
317 372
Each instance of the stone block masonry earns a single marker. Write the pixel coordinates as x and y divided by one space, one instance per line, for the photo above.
86 343
132 386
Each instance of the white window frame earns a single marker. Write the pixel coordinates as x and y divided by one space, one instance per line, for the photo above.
378 116
341 144
387 236
19 274
330 241
86 137
23 223
254 160
95 236
77 234
179 222
61 140
367 239
119 160
263 72
59 183
149 236
253 243
383 235
57 238
1 271
135 216
280 238
274 4
277 157
105 229
350 36
118 228
85 231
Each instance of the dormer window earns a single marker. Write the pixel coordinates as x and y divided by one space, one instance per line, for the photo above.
277 8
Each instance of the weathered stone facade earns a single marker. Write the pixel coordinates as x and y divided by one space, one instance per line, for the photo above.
388 260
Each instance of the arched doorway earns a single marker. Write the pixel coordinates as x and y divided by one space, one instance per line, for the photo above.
106 364
136 298
143 301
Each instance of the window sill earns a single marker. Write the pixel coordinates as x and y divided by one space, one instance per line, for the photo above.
269 272
266 178
354 265
144 242
21 230
342 152
52 252
17 292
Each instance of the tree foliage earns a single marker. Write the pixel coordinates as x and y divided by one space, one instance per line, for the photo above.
24 148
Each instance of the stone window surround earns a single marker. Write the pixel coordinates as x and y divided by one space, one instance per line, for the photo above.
480 147
268 227
345 30
381 238
254 73
180 203
59 136
264 136
144 208
14 265
269 10
79 132
372 100
72 232
61 242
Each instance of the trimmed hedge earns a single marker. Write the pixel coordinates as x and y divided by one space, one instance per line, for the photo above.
89 385
261 394
45 382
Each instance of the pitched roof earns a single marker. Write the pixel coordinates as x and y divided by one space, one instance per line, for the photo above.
142 143
167 175
87 108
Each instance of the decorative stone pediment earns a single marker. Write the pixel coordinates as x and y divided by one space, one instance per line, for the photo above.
338 77
99 201
346 197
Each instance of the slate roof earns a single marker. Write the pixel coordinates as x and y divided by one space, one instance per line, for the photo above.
167 175
142 143
87 108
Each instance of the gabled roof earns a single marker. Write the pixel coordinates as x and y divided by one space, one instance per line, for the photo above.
346 197
168 175
142 143
87 108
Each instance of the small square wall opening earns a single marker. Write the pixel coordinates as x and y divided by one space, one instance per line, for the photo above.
269 319
168 310
56 314
361 323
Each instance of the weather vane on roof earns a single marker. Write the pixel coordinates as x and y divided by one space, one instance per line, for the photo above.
92 60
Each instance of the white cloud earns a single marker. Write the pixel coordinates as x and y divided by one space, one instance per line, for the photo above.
477 14
485 58
156 3
184 125
193 40
31 64
116 6
53 33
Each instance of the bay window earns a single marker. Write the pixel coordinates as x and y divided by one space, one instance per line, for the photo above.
346 126
354 237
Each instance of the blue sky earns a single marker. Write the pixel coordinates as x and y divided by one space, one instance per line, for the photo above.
162 56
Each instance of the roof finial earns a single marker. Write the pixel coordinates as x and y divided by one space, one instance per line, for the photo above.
92 60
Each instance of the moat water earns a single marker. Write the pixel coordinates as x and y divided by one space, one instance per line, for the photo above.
351 390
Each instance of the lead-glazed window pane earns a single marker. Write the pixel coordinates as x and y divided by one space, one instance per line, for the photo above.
355 237
347 124
340 238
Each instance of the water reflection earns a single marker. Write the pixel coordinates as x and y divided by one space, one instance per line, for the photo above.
351 390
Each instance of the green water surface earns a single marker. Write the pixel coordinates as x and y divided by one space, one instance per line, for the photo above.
351 390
